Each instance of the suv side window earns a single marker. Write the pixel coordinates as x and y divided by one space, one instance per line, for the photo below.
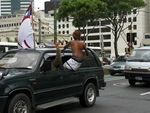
89 61
50 63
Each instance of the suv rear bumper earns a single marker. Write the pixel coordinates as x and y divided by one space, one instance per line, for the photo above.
3 100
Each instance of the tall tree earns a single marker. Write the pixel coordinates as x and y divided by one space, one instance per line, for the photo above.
116 12
81 11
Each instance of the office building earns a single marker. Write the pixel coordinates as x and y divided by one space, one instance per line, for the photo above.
8 7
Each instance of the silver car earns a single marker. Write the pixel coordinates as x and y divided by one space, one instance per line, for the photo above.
118 65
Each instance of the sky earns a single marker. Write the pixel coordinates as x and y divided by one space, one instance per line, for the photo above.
39 4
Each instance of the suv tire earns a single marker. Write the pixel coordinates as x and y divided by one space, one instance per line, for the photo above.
132 82
88 98
19 103
112 73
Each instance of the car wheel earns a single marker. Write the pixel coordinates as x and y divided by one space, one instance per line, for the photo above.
19 103
88 98
112 74
132 82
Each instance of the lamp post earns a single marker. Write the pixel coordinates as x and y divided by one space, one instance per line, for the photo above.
55 23
39 22
39 30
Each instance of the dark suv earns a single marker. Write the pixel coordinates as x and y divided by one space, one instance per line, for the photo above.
27 82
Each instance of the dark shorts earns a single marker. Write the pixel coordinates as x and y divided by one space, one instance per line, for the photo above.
78 59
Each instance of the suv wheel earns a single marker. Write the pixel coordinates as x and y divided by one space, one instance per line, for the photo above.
19 103
112 73
88 98
132 82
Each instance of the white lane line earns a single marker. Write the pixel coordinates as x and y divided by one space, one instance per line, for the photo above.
121 84
146 93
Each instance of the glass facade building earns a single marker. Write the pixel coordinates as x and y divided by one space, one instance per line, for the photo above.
8 7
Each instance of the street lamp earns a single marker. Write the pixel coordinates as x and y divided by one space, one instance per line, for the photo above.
39 20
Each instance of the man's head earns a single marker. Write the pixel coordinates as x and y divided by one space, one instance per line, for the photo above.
76 35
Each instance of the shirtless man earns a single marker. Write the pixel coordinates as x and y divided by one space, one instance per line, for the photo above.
77 46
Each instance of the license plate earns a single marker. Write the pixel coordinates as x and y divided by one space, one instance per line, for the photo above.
138 78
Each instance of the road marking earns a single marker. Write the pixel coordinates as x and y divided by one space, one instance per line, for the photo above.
121 84
147 93
111 78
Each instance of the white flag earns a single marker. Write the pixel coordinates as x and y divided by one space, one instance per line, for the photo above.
25 34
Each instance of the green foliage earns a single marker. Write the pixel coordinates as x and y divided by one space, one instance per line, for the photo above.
113 11
116 11
81 10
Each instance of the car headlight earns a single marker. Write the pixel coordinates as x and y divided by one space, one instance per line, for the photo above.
1 75
122 66
149 69
127 68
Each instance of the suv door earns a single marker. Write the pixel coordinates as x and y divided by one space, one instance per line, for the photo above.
49 84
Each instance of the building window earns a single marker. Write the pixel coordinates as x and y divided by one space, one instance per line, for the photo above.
135 42
96 23
67 25
59 26
94 44
134 11
93 37
63 32
134 19
59 32
67 32
147 36
134 26
107 44
129 19
93 30
83 31
105 30
104 23
63 25
105 37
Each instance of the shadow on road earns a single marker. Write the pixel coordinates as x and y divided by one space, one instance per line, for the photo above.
64 108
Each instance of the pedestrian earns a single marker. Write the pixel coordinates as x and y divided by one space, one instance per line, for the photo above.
77 56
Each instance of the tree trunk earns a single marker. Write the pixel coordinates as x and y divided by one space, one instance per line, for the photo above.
115 45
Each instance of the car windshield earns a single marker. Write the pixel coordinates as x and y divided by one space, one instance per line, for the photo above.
120 59
19 60
141 54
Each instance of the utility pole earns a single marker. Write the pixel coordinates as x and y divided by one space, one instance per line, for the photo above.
55 22
102 46
39 30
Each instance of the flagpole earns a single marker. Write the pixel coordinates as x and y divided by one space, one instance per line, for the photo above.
32 1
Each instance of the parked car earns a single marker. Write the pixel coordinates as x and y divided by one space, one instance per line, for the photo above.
118 65
29 84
